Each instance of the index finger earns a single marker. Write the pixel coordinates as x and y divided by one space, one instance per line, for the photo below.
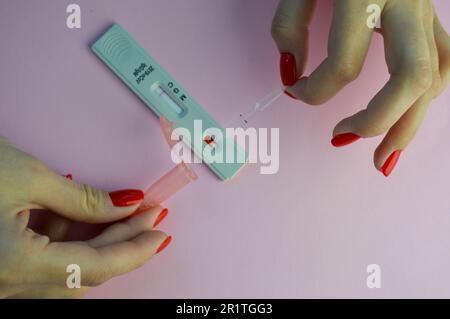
348 44
290 32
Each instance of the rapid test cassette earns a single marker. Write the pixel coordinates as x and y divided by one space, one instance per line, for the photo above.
165 96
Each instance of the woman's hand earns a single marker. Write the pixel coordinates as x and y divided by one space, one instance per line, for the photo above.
35 265
417 50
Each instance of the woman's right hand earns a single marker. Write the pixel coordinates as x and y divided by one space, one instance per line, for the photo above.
417 51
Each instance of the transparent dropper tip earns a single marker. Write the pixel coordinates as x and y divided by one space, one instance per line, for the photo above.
260 106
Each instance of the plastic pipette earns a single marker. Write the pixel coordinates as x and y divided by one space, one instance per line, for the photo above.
260 106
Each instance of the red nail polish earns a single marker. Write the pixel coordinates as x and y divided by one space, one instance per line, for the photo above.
161 217
164 244
290 95
344 139
126 197
68 176
288 69
390 163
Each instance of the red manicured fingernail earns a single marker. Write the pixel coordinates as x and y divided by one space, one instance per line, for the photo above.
390 163
290 95
164 244
161 217
288 69
126 197
344 139
68 176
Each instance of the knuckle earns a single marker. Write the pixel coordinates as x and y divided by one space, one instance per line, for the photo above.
280 30
345 70
91 201
373 128
420 74
313 99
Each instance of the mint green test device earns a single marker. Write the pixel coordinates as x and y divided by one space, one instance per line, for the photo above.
162 94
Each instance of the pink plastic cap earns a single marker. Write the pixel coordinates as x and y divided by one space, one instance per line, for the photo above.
171 182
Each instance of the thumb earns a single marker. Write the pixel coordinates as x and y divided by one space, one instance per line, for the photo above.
84 203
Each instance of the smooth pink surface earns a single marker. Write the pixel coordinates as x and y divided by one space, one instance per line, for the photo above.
308 231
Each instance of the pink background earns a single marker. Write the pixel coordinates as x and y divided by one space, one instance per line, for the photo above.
308 231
